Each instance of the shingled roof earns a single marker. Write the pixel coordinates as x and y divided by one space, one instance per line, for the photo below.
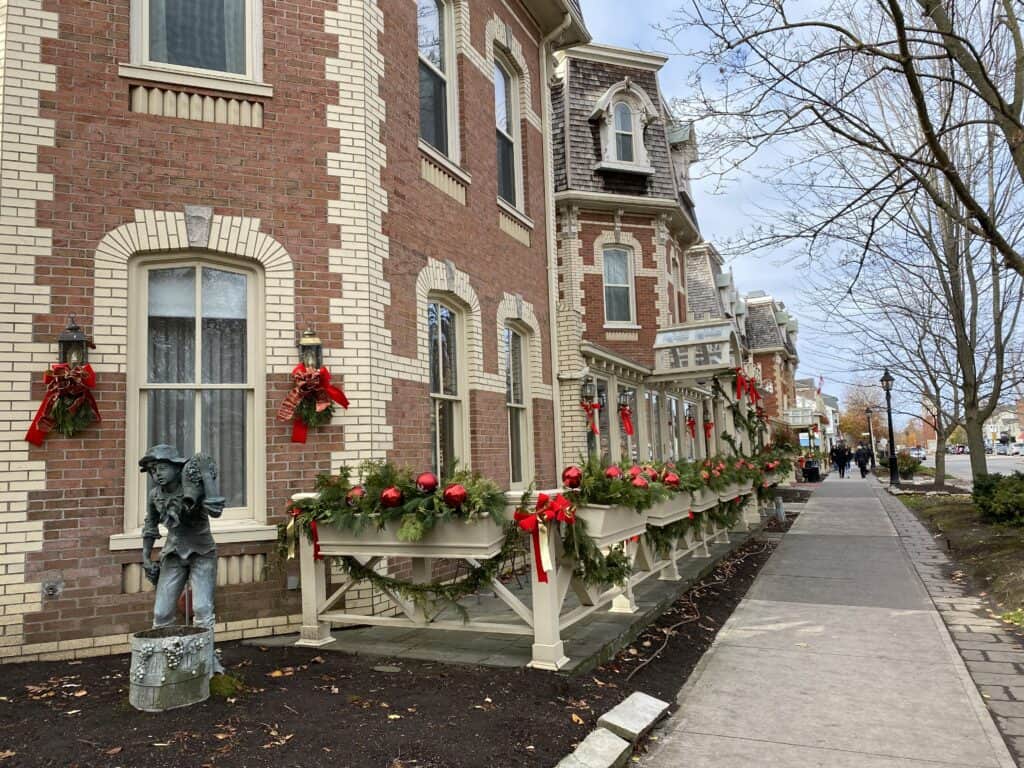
762 327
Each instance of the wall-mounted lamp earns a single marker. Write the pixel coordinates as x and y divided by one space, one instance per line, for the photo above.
311 350
72 344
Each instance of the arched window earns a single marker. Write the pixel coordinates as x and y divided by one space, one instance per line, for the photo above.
506 113
446 412
624 133
517 401
618 285
437 106
198 383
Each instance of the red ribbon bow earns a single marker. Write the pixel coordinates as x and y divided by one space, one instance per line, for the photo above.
741 384
708 426
558 509
307 383
626 414
755 396
592 410
691 424
67 382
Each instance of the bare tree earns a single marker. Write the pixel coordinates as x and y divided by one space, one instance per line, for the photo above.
766 76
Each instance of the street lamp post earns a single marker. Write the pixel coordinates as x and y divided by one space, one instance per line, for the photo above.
894 474
871 435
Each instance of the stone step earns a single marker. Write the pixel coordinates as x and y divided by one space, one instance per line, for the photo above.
601 749
634 717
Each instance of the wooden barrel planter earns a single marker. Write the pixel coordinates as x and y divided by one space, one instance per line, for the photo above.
170 667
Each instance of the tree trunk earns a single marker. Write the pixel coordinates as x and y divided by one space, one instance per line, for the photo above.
940 461
976 445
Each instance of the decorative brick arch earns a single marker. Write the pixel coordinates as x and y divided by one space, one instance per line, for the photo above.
441 279
513 310
500 32
166 232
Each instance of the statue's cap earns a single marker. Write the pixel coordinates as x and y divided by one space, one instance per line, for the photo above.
161 453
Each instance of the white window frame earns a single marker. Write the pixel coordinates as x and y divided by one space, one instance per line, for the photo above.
643 112
236 524
504 61
461 437
525 408
629 284
617 132
142 68
451 77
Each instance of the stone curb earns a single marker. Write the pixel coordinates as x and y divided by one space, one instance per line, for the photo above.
611 743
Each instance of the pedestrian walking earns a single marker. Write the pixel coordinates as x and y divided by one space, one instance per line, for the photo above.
863 456
842 459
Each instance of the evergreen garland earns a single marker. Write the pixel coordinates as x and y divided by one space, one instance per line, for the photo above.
662 538
67 423
308 414
591 565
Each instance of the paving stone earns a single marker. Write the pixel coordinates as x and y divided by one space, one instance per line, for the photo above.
994 668
975 637
995 692
1016 657
601 749
635 716
984 678
1016 692
1011 726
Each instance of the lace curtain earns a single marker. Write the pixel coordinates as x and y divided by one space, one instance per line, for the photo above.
208 34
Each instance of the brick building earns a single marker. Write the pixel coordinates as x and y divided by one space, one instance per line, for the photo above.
198 182
772 335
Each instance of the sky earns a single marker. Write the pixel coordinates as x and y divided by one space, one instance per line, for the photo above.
722 215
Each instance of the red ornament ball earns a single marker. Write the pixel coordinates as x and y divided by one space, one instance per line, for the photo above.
640 482
613 473
391 497
572 477
427 482
355 495
635 471
671 480
651 472
455 495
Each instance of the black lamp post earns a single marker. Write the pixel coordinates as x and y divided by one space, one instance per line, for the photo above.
894 474
871 435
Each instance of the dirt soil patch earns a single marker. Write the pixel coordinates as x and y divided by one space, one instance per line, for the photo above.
991 555
774 526
298 707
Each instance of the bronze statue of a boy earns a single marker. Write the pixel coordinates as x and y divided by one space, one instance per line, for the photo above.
185 497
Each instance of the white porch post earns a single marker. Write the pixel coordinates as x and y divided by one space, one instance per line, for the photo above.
548 649
313 575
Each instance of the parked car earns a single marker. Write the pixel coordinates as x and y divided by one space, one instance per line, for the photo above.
919 453
1017 449
1002 449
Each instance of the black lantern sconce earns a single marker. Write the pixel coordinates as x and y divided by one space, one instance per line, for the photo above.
588 390
72 345
311 350
623 398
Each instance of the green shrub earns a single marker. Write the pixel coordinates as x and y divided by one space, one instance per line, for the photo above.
907 465
1000 498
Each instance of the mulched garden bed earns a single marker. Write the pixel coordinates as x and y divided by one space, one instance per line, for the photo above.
303 708
774 526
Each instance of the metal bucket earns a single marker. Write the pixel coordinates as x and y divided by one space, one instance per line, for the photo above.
170 667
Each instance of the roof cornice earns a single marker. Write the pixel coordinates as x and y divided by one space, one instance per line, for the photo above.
622 57
607 201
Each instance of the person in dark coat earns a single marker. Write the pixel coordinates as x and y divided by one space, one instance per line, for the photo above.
863 457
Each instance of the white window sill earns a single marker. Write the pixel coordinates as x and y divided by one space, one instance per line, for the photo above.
622 327
515 213
614 166
445 162
224 532
212 82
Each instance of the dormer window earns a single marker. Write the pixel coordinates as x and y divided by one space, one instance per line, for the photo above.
623 113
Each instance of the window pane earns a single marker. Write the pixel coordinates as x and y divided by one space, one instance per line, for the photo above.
224 327
449 370
603 420
673 429
502 106
433 338
506 168
627 444
616 304
224 438
515 367
209 34
516 417
430 25
171 415
624 147
616 267
623 118
172 326
433 109
442 429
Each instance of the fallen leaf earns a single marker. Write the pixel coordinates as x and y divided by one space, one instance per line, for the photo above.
317 660
275 673
80 693
114 751
600 684
394 717
222 736
161 743
7 753
72 712
577 719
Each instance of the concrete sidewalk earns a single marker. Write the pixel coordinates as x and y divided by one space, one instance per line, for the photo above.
837 657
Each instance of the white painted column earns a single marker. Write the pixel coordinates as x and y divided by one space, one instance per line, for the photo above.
548 650
313 575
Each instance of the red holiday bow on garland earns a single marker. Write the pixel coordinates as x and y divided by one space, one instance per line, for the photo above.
708 426
626 414
755 396
691 424
592 410
291 534
73 385
741 384
315 385
535 523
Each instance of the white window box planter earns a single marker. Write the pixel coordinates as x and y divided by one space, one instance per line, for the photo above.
704 499
610 525
674 508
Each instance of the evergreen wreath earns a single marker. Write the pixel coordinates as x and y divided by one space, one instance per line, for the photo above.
67 423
